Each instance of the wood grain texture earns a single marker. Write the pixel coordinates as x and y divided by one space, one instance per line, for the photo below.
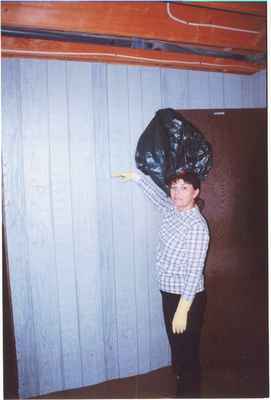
257 8
260 89
183 23
121 217
104 219
85 220
14 207
149 20
38 223
216 90
63 226
236 208
198 89
232 91
82 246
151 102
174 88
61 50
139 215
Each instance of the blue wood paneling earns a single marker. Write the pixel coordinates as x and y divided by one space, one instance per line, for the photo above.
259 89
174 88
151 101
16 229
118 119
38 222
104 219
198 90
216 90
232 91
85 220
81 245
139 215
63 222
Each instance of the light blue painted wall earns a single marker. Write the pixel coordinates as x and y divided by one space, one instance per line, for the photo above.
81 246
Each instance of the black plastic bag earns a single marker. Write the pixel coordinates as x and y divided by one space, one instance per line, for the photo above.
171 144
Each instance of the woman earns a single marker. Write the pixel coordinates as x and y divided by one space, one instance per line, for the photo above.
182 248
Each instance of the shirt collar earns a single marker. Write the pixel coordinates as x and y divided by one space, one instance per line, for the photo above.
185 212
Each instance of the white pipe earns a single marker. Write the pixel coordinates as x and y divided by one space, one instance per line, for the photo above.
97 54
229 28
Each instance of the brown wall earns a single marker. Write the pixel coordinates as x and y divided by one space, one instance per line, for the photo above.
235 333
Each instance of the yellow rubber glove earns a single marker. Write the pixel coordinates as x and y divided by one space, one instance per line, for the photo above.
126 176
179 322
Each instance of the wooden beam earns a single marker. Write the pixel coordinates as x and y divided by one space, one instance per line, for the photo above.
241 7
143 19
126 42
44 49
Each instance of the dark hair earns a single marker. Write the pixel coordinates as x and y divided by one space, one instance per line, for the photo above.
186 176
192 179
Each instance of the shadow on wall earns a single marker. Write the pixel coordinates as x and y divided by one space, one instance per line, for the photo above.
10 374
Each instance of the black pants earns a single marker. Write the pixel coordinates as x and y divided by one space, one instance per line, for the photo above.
185 347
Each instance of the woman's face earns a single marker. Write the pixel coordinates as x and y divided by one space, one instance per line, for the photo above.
183 195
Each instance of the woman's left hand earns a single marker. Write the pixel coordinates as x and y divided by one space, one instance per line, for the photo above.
180 317
179 321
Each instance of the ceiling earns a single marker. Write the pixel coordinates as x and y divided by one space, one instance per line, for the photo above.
229 37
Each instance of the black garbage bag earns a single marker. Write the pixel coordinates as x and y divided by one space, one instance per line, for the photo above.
171 144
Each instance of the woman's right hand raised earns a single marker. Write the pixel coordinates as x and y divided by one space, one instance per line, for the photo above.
126 176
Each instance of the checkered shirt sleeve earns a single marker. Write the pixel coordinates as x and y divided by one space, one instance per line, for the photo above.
156 195
197 241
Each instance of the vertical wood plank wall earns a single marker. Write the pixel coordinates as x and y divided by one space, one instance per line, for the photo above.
81 245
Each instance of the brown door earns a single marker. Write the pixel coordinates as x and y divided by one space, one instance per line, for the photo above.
235 336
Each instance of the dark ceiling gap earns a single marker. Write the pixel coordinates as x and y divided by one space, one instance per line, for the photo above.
128 42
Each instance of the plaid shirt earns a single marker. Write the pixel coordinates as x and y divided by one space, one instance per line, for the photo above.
182 246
